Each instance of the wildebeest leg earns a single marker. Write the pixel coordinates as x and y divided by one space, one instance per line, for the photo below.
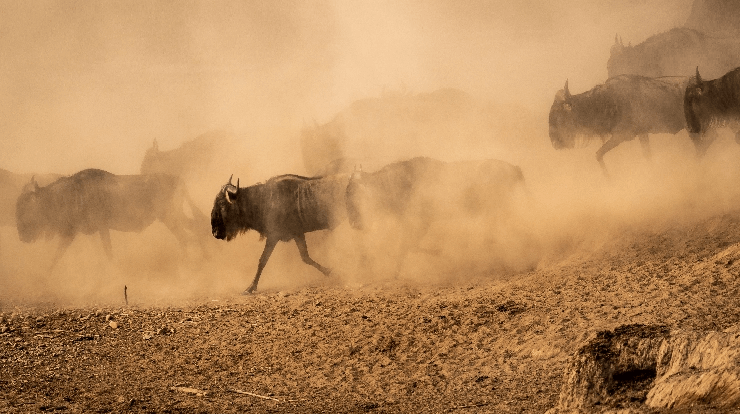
300 241
64 243
269 247
608 146
645 144
703 141
107 246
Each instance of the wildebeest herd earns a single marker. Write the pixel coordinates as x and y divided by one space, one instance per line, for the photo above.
656 87
408 194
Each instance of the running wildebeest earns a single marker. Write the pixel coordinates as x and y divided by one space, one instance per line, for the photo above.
415 193
96 201
712 104
619 110
675 53
282 209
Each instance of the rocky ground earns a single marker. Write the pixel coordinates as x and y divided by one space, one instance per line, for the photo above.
490 344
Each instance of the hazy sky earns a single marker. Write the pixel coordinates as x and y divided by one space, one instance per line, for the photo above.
91 84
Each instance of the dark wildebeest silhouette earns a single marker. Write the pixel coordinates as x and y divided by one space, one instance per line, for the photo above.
415 193
619 110
96 201
712 104
284 208
675 53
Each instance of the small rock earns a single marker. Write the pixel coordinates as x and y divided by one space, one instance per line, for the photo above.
108 317
39 319
148 335
3 329
165 331
113 324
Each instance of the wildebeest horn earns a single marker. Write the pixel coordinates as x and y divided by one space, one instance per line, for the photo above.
32 186
155 146
698 76
566 91
232 176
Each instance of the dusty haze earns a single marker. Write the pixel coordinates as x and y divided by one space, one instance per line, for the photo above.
91 86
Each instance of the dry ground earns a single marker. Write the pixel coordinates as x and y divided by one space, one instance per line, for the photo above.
494 344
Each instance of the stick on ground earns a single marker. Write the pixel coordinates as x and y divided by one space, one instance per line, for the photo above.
264 397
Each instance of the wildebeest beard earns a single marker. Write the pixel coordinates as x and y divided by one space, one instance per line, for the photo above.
575 120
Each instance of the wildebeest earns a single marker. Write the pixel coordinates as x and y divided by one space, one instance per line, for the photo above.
415 193
622 108
675 53
712 104
96 201
388 127
283 208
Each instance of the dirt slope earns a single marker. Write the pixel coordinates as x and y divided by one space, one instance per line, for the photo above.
497 344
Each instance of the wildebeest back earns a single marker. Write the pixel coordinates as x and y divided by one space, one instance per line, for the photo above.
307 204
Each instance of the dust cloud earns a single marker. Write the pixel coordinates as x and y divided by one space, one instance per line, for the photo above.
92 85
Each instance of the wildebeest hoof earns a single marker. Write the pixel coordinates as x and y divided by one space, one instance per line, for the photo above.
250 290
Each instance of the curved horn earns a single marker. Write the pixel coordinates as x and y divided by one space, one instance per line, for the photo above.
698 76
565 89
232 176
237 183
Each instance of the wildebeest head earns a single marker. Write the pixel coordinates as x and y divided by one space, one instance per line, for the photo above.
693 103
152 162
563 129
225 214
30 216
355 199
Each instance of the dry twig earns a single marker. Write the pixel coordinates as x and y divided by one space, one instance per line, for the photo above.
264 397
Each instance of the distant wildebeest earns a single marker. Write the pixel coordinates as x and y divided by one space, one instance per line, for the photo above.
96 201
619 110
393 125
11 186
415 193
675 53
189 159
712 104
284 208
